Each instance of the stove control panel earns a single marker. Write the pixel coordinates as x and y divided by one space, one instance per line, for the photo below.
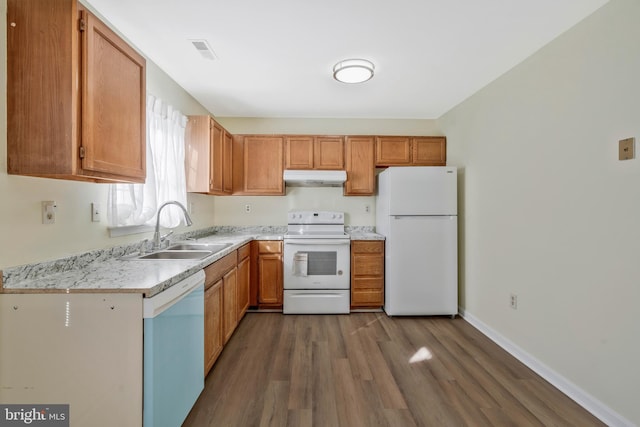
315 217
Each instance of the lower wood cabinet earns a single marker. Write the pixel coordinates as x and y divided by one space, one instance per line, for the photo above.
268 286
230 303
244 276
226 300
367 274
213 320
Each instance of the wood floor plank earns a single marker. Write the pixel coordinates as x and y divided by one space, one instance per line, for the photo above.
325 412
390 395
354 351
274 412
301 370
352 370
351 410
300 418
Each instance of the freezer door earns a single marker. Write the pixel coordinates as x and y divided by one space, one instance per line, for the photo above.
427 190
421 266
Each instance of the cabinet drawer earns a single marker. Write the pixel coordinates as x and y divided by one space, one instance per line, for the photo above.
367 283
367 265
244 252
269 246
365 246
215 271
368 297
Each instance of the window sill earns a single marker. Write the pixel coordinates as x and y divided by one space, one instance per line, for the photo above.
129 229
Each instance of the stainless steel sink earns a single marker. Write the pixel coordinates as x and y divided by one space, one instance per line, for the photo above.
185 250
176 255
213 247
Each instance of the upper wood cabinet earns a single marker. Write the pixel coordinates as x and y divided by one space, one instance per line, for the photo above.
208 157
75 96
262 166
314 152
411 151
360 152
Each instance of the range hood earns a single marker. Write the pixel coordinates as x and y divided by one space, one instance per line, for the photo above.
314 178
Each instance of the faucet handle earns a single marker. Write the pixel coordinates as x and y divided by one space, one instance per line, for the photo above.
166 237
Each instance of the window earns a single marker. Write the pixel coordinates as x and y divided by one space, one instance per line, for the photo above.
132 207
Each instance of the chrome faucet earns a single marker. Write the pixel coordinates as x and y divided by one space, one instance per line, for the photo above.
156 235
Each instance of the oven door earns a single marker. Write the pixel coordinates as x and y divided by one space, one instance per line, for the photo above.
317 263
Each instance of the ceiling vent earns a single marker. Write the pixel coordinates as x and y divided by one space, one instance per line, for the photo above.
203 47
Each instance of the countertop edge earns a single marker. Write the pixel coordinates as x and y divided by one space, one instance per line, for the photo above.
95 271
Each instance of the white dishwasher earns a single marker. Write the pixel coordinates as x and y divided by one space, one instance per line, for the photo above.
173 352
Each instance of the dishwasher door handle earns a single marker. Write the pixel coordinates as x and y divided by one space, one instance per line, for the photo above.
152 307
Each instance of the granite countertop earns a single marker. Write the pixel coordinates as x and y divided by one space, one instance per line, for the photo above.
105 271
365 235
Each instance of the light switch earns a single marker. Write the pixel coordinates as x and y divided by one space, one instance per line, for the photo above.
625 151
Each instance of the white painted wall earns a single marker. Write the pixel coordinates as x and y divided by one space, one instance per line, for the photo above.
24 238
550 214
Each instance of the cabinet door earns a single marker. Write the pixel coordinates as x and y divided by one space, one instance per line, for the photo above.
270 286
75 96
243 287
229 292
216 175
263 165
328 153
213 320
298 152
393 150
198 154
360 166
113 104
429 150
227 164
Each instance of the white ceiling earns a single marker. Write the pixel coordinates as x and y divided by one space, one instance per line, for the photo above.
275 58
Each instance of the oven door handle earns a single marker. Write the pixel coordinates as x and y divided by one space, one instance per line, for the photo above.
329 242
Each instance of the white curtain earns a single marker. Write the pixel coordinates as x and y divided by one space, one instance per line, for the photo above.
137 204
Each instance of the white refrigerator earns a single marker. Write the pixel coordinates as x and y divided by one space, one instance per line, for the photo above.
416 211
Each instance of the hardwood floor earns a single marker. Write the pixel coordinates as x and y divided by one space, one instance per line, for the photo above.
366 369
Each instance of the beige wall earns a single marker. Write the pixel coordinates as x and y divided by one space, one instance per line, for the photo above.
550 214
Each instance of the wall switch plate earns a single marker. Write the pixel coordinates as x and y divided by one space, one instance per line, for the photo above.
626 148
96 211
48 212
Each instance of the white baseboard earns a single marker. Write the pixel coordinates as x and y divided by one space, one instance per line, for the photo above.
584 399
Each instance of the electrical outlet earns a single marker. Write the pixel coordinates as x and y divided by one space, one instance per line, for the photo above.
247 208
367 209
48 212
513 301
96 211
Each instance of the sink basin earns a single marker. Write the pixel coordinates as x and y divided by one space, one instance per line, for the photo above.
176 255
183 251
213 247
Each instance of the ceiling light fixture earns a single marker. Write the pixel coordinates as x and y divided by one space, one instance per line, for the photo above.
353 71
